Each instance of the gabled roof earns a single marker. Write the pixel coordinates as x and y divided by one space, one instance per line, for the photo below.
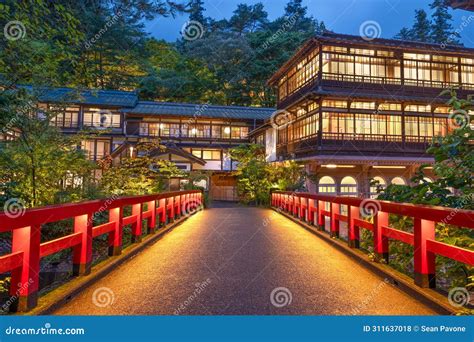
200 110
88 96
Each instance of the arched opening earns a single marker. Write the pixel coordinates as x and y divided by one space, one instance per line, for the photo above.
327 185
348 186
373 189
398 181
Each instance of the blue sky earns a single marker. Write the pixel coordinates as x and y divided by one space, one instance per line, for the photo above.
342 16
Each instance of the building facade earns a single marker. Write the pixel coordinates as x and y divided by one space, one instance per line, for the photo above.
356 110
196 137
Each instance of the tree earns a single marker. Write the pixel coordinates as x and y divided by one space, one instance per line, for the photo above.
421 30
248 18
442 31
253 183
139 175
41 166
295 9
196 11
289 176
404 34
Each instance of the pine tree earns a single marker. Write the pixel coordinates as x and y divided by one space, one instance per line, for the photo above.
404 34
421 30
196 11
442 31
295 9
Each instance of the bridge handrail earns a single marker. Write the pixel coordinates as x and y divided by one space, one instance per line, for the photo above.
27 249
312 209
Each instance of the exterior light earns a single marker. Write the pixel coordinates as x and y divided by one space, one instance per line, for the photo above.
131 151
331 166
227 130
388 167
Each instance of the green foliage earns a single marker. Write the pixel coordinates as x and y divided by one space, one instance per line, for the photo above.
289 176
42 166
253 184
438 29
256 177
139 175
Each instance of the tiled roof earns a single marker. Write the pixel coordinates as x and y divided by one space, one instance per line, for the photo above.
90 97
200 110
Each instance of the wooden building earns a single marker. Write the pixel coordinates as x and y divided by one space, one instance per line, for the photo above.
196 136
356 109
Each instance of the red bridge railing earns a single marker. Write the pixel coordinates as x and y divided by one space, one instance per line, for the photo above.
27 250
312 208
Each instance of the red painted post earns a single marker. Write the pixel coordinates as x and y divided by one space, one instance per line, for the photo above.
177 205
163 211
82 253
335 209
303 208
380 241
296 205
25 279
115 237
424 261
311 211
137 226
151 222
353 231
321 220
171 206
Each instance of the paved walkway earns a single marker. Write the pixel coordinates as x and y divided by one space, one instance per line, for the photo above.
229 260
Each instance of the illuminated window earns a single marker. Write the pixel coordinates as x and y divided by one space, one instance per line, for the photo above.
327 185
363 105
390 106
418 108
398 181
102 118
348 186
335 104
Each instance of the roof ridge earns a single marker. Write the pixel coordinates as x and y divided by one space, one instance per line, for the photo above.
204 104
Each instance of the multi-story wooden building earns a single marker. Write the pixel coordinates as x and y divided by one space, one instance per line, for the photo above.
197 137
356 109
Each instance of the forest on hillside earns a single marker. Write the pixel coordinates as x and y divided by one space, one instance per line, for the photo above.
103 45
